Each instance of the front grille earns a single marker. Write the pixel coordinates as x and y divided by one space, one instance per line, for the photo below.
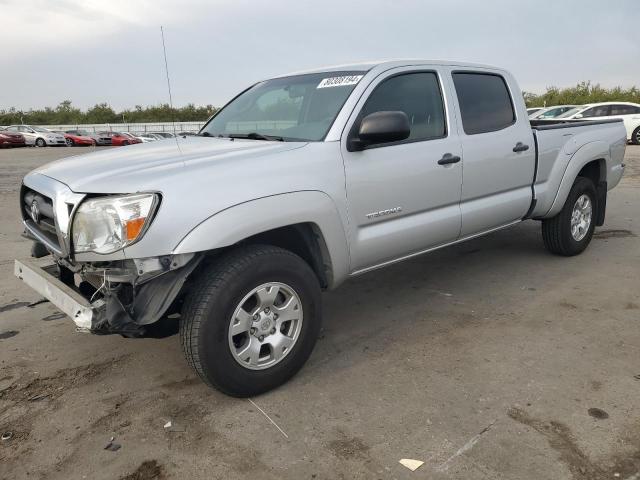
38 212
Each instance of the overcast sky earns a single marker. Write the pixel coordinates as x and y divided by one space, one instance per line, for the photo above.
92 51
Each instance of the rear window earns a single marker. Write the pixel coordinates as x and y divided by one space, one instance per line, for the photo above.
485 102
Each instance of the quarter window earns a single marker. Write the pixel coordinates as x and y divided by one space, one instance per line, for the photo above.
485 102
416 94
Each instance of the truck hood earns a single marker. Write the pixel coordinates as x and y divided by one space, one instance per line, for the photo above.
146 166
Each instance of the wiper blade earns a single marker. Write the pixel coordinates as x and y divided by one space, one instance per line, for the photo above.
256 136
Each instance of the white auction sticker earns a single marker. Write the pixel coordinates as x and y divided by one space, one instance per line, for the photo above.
339 81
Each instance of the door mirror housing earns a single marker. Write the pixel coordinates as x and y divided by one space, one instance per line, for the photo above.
578 115
380 127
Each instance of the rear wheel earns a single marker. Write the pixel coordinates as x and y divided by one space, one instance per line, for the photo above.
635 136
40 142
252 321
570 231
126 142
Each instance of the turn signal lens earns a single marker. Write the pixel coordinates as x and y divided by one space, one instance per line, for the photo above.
134 227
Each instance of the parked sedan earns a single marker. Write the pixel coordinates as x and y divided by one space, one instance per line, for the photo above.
38 136
11 139
532 110
121 138
629 113
74 139
164 134
144 137
99 139
551 112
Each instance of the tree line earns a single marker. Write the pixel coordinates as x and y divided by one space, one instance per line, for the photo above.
67 114
583 92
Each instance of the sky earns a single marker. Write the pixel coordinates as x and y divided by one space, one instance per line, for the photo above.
93 51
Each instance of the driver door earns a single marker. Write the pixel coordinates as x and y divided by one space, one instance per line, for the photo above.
401 200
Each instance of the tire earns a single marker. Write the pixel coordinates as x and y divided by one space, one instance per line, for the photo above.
635 136
125 143
40 142
70 142
557 231
222 291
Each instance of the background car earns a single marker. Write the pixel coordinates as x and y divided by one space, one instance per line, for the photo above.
120 138
38 136
628 112
11 139
164 134
99 139
533 110
551 112
73 139
145 137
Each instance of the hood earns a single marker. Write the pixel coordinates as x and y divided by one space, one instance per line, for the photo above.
148 166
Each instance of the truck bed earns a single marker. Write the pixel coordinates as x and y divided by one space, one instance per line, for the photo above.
556 142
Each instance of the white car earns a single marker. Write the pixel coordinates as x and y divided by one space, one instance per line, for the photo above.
551 112
38 136
145 137
628 112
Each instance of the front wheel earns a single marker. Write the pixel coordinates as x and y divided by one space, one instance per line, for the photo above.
40 142
635 136
571 230
69 142
252 321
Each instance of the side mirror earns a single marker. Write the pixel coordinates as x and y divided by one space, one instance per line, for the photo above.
380 127
578 115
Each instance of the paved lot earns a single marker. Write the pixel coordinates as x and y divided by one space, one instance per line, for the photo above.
483 360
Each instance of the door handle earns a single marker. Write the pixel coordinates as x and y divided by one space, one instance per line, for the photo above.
447 159
520 147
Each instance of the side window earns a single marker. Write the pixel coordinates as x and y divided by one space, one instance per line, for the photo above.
416 94
12 129
485 103
599 111
624 110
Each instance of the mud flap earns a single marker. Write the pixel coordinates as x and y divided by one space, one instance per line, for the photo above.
601 197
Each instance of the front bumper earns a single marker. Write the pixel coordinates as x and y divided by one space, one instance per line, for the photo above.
43 280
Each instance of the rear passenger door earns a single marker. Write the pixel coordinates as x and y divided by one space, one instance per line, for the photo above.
498 149
401 200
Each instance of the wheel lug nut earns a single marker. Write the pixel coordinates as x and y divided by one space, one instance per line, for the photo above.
261 338
267 310
252 331
273 330
256 317
275 316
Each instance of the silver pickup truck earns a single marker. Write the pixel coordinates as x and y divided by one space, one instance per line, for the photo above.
297 184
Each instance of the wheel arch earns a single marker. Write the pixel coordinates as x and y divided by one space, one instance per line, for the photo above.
590 161
306 223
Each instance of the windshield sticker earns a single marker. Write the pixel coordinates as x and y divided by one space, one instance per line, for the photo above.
339 81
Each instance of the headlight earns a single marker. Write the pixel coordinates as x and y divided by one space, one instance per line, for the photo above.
107 224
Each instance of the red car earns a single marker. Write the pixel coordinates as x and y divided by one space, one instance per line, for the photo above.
121 138
74 139
10 139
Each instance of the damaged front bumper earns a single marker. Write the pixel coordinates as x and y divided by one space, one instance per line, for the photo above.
121 298
44 281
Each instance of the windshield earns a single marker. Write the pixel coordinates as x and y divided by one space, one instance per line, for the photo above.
41 130
298 108
571 112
